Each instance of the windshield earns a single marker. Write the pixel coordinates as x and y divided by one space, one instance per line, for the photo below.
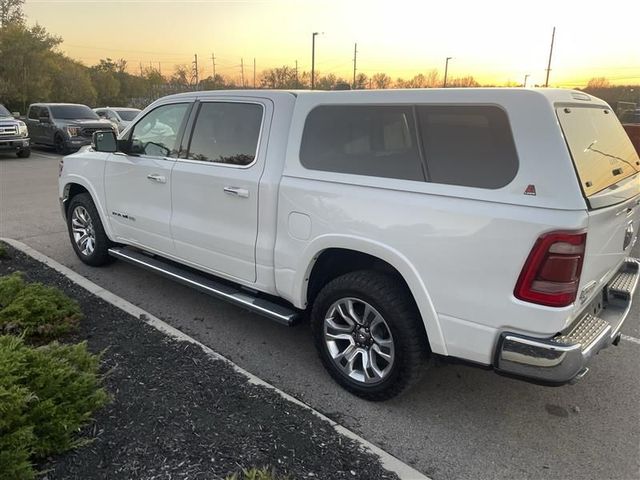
73 112
601 149
4 112
128 115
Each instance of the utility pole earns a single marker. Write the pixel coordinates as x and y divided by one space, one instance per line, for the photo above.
524 85
355 60
553 35
313 59
242 70
195 64
297 84
140 68
254 73
160 68
446 69
213 62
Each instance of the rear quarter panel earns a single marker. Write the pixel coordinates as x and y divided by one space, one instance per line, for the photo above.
459 249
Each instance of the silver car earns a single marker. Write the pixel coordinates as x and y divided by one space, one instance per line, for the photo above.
121 117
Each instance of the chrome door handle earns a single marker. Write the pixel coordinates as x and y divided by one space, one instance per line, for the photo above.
238 192
157 178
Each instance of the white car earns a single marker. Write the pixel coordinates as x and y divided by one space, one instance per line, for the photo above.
487 225
121 117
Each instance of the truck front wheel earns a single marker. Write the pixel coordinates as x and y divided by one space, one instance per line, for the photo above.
86 233
24 153
369 334
60 145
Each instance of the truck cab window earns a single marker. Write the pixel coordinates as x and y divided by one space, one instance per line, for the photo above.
156 134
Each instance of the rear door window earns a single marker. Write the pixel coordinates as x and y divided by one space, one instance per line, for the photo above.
363 140
468 145
601 150
226 132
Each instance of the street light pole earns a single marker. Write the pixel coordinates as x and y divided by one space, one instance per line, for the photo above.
524 85
446 69
313 59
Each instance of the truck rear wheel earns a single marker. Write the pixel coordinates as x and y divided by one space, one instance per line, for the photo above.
369 334
86 232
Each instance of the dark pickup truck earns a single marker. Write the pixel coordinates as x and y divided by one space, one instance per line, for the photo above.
65 126
14 136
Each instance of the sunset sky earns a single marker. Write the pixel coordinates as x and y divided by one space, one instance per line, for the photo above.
495 41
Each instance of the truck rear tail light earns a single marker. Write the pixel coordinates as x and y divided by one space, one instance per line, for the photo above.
551 274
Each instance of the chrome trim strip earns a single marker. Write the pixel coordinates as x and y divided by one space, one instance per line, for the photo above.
279 313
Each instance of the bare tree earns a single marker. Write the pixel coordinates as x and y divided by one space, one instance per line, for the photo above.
381 80
180 76
598 82
361 81
282 77
11 12
465 82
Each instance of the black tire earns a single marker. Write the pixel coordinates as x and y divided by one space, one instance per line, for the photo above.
60 146
24 153
395 304
100 254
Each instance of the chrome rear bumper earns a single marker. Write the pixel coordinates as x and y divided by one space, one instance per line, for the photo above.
564 357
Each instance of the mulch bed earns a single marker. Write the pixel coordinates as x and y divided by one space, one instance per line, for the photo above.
176 413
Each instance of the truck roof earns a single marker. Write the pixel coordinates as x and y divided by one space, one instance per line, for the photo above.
54 104
552 95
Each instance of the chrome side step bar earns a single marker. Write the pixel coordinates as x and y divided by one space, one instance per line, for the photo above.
280 313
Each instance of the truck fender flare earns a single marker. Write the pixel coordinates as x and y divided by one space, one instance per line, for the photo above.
384 252
87 185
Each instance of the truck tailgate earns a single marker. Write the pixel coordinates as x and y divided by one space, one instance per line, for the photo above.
611 234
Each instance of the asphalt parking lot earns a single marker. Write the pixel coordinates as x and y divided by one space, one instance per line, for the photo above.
460 422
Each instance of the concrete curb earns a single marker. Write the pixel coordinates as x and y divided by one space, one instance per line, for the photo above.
387 460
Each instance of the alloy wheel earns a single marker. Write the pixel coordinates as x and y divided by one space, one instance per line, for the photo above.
83 232
359 341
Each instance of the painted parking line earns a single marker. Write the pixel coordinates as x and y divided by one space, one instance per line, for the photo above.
388 461
631 339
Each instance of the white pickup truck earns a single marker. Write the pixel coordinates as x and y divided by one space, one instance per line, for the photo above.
488 225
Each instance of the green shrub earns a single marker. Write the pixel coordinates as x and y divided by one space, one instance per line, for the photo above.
16 431
35 310
10 286
3 251
46 395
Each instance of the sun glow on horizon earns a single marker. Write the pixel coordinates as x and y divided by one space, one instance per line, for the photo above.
496 42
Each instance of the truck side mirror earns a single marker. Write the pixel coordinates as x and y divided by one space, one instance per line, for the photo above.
15 114
104 141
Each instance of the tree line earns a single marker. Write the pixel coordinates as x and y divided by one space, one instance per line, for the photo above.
33 70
